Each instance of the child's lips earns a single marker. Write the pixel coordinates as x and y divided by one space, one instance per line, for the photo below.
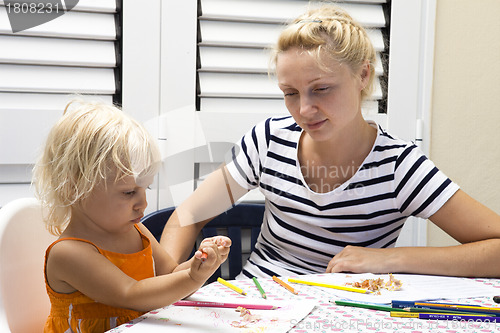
137 220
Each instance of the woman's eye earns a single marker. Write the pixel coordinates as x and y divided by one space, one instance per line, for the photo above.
321 89
288 94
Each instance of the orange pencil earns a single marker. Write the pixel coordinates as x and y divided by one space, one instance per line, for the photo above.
204 256
283 284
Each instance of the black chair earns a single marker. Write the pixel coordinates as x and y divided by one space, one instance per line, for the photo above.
240 223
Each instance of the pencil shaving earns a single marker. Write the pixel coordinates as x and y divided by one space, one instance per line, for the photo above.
376 285
247 318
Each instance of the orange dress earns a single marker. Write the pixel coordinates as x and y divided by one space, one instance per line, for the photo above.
76 312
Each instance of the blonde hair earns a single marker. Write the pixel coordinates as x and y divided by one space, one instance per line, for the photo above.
332 31
91 143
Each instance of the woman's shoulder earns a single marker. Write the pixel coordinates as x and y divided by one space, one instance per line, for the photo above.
387 141
390 147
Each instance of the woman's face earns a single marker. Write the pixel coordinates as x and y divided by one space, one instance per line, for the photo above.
322 102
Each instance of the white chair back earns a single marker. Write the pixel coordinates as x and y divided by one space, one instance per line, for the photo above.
23 241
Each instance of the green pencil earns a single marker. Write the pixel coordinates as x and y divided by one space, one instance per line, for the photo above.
257 284
370 306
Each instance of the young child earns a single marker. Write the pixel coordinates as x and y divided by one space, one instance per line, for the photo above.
106 268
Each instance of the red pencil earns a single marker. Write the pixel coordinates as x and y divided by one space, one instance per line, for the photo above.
226 305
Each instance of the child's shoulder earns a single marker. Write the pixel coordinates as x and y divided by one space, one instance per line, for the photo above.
67 246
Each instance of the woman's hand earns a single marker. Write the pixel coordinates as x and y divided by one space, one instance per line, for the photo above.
356 259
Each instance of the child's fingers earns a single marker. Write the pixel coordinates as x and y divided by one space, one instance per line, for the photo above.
223 241
208 253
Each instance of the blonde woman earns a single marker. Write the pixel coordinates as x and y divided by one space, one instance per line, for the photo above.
337 188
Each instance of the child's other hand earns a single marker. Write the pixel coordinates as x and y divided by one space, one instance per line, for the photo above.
223 245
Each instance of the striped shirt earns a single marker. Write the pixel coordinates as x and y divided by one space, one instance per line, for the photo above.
303 229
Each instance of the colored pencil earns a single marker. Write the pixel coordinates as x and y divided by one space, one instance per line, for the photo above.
326 285
458 307
285 285
225 305
370 306
412 304
231 286
426 307
442 316
259 287
204 256
445 311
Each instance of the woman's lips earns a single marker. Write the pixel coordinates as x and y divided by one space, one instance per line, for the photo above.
315 125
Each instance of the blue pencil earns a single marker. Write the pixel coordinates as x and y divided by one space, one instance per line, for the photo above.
436 316
439 307
411 304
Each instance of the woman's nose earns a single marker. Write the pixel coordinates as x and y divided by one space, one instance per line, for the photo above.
306 105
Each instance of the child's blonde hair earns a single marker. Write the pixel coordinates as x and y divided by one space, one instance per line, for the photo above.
331 31
89 144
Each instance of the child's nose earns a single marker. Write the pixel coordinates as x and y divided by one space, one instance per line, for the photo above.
142 202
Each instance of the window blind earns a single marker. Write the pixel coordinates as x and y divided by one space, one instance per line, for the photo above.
43 67
233 50
234 41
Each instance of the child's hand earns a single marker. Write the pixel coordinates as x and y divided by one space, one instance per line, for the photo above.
223 244
205 262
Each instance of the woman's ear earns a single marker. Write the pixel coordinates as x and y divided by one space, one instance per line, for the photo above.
365 74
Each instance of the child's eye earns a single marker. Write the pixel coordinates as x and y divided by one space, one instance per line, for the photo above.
129 192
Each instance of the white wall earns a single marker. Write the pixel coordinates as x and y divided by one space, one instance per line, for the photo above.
466 100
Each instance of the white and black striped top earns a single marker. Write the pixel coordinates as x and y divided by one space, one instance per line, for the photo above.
302 229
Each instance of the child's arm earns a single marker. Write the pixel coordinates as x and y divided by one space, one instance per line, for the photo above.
164 263
74 265
223 245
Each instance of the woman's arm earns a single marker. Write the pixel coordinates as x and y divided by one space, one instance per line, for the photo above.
468 221
215 195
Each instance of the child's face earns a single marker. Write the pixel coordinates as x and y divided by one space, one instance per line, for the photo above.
117 206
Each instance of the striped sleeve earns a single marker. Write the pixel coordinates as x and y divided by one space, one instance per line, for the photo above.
421 188
246 162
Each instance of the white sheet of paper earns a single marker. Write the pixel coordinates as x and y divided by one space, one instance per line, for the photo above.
206 319
414 288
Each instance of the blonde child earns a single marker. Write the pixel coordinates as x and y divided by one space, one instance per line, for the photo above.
106 268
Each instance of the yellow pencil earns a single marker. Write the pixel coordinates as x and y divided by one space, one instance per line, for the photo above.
312 283
418 314
231 286
404 314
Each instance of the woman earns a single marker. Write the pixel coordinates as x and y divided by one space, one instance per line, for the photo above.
338 188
